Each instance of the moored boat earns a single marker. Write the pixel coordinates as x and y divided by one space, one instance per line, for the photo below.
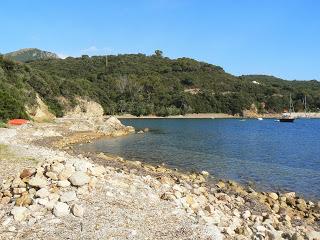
287 117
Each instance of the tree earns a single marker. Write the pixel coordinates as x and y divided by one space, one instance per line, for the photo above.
158 53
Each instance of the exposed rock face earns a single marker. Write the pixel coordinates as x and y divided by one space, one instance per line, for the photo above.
40 112
85 109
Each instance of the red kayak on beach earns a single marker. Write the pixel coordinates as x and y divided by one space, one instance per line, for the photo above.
17 121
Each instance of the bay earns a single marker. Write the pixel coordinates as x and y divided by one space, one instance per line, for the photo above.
271 155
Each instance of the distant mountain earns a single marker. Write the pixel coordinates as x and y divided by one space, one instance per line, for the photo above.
30 54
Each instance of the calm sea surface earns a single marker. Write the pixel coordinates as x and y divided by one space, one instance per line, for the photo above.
272 155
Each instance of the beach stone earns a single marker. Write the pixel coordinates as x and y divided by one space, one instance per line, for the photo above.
195 206
61 209
42 193
276 208
17 182
221 184
64 183
213 232
291 201
46 203
68 196
302 205
205 173
82 166
260 229
297 236
7 193
38 182
273 234
196 191
209 209
66 172
98 171
5 200
19 190
77 210
52 175
178 194
168 196
19 213
42 201
92 183
246 214
274 196
28 172
178 188
313 235
189 199
54 196
57 167
289 195
79 179
83 190
24 200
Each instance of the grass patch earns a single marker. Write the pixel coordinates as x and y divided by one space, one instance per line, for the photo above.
32 160
3 125
4 152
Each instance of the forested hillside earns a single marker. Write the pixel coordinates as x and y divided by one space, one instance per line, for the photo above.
143 85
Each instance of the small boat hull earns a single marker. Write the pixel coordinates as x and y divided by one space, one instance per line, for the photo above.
286 120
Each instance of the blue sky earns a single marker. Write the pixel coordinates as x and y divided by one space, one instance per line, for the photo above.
275 37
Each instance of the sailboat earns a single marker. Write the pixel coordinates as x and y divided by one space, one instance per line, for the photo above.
287 117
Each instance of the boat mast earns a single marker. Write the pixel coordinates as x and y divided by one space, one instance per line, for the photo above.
305 105
290 105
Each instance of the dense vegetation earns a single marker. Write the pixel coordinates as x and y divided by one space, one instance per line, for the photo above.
142 85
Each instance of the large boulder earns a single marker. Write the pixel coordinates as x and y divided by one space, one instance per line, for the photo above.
112 126
79 179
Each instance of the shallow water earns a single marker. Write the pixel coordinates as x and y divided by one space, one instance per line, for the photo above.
272 155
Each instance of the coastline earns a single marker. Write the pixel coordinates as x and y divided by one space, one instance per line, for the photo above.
219 116
225 209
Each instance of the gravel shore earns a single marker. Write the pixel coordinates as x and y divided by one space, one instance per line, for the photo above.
50 190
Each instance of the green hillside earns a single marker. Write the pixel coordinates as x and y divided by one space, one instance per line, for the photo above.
142 85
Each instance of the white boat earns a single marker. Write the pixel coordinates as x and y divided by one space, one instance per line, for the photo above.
260 119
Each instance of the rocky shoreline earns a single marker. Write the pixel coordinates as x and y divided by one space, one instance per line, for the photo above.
76 195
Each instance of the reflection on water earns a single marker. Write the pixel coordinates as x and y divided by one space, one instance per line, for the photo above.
274 155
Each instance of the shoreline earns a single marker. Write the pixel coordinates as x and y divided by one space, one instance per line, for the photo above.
76 149
225 209
219 116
